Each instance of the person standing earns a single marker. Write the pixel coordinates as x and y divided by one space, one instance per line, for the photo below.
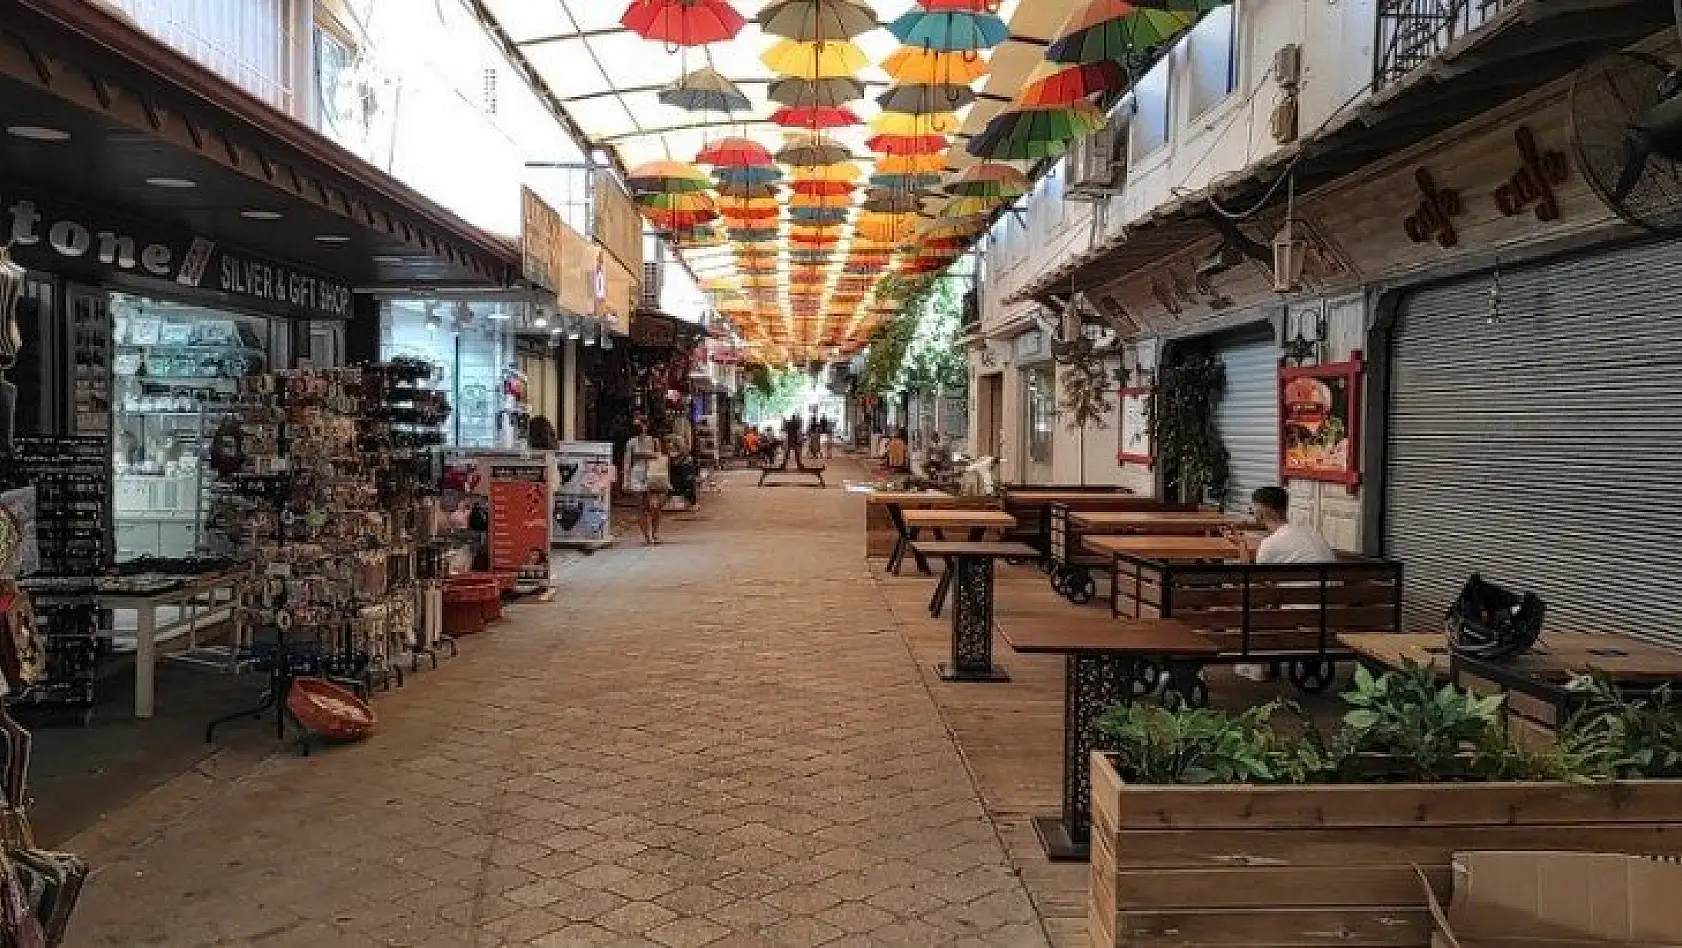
644 481
792 436
540 435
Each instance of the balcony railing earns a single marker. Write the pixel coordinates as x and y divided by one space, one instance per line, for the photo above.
246 42
1413 32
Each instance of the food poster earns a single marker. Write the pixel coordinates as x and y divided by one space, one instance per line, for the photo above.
1317 413
519 534
1135 427
584 499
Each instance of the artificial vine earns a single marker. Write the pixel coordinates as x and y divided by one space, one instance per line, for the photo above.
1086 385
1182 418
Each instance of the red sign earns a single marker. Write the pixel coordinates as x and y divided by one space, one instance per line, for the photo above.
519 537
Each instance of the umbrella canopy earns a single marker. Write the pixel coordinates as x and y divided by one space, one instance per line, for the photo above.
950 30
814 150
747 174
815 93
1035 133
844 171
911 164
971 206
965 6
1115 30
663 177
683 22
744 205
748 190
818 215
906 181
815 117
735 152
889 201
815 60
899 123
676 200
755 235
990 179
908 144
821 200
817 20
675 220
1051 86
822 187
931 67
705 90
922 99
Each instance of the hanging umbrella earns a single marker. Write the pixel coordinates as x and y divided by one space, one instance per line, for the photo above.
906 182
900 123
950 31
931 67
923 99
908 144
733 205
679 220
1051 86
814 150
676 200
964 6
822 187
664 177
844 172
815 60
971 206
1035 133
817 20
747 174
990 179
748 190
1115 29
753 235
683 22
911 164
889 202
705 90
815 117
818 215
735 152
821 200
813 93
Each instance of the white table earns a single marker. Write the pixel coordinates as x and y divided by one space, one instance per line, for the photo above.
198 604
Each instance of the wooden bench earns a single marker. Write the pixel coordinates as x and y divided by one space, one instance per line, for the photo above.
1032 508
1072 564
1289 614
766 473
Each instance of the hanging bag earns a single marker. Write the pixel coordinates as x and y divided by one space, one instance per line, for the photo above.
1492 623
660 474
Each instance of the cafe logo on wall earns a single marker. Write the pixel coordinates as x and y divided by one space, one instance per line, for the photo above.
1433 217
52 236
1539 173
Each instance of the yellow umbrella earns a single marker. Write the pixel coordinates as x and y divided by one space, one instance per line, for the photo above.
844 171
970 206
911 164
899 123
815 60
918 66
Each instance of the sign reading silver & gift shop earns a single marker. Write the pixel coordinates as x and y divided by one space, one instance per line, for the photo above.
60 237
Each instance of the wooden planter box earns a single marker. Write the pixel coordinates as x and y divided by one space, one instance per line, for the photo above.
1294 867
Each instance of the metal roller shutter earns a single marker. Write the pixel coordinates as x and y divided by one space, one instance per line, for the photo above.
1248 419
1543 449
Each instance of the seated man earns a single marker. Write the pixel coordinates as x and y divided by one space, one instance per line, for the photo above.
1286 542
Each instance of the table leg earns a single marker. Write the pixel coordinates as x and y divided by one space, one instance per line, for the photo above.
921 560
942 586
972 622
1092 684
145 659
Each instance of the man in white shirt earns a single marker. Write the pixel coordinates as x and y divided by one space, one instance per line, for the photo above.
1286 542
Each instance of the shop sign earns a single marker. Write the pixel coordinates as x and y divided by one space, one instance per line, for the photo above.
1135 433
542 256
1030 345
615 293
618 225
1433 218
583 512
47 235
1319 420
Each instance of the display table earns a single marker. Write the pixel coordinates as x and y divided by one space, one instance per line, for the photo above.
199 603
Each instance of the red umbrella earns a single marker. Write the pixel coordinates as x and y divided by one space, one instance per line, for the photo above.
821 188
1069 85
961 6
908 144
683 22
735 153
815 117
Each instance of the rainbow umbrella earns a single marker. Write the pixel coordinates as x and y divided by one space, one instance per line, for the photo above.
950 31
815 117
990 179
664 177
908 144
683 22
815 60
1051 86
1116 30
817 20
813 93
932 67
735 152
923 99
705 90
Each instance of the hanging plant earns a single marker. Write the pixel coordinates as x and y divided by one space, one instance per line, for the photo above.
1086 384
1182 420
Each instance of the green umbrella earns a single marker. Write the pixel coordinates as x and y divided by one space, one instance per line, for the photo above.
1116 30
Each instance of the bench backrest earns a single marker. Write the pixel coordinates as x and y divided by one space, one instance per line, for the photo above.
1249 607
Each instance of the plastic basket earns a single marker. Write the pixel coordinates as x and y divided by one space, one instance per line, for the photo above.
325 709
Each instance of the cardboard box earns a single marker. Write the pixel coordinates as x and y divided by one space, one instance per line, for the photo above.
1560 900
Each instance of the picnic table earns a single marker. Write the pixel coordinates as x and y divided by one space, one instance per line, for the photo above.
1102 664
1183 522
976 523
971 562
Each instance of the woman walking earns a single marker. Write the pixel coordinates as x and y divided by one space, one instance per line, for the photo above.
647 479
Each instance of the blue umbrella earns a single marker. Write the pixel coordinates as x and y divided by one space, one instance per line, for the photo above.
950 32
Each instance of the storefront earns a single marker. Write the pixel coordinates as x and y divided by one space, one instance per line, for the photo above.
1038 375
1248 412
471 345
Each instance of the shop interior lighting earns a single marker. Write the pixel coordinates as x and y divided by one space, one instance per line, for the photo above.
574 330
257 214
499 312
387 258
178 184
331 239
38 133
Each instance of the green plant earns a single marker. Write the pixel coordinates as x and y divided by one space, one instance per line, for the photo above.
1627 737
1182 423
1425 730
1192 746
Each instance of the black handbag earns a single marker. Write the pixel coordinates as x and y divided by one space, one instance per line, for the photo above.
1492 623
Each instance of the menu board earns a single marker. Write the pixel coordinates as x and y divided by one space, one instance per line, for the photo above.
519 536
618 225
584 501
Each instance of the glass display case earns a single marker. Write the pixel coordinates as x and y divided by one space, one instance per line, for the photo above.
473 346
175 372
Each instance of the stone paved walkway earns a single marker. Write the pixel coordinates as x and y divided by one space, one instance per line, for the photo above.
718 741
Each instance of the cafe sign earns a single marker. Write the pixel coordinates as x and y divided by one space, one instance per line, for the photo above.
48 235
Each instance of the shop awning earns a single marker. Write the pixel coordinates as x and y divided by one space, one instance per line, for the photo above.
101 114
1527 46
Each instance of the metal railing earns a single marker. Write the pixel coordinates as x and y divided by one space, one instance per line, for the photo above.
1411 33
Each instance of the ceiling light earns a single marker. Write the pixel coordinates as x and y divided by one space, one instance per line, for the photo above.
254 214
542 321
387 258
175 183
331 239
37 133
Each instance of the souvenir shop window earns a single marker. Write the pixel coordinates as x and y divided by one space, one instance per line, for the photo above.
473 346
176 372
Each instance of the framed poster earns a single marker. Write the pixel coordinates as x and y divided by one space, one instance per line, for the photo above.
584 498
1135 428
520 494
1319 419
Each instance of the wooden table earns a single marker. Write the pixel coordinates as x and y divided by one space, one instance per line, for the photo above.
199 602
1537 681
1166 547
1101 663
937 522
1155 522
880 535
1393 650
972 609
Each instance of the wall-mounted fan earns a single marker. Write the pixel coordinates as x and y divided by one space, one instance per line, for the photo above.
1626 118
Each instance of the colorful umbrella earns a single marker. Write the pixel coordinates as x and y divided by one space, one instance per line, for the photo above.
971 206
735 152
990 179
911 164
747 174
754 235
821 200
814 150
822 187
1116 30
683 22
812 93
817 20
842 171
890 202
908 144
950 31
900 123
1035 133
676 200
1051 86
966 6
705 90
678 220
815 60
920 99
815 117
748 190
932 67
818 215
906 182
664 177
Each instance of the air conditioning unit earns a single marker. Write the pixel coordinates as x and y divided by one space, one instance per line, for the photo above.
650 299
1287 66
1098 164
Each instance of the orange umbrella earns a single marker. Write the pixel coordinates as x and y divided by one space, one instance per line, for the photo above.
913 64
910 164
908 144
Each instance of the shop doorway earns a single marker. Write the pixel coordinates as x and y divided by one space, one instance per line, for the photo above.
1039 397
